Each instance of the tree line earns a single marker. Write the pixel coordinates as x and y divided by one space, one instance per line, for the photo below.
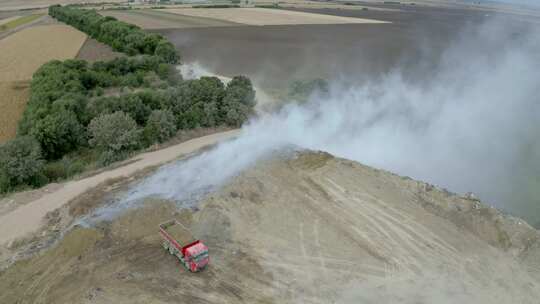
80 114
121 36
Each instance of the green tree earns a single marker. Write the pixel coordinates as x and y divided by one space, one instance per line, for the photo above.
58 133
114 135
198 103
161 125
238 102
235 113
241 89
21 163
166 51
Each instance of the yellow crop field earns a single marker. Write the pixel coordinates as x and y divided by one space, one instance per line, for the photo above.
25 51
10 5
19 21
264 16
14 96
22 53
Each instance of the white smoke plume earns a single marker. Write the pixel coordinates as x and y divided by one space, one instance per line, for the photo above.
472 125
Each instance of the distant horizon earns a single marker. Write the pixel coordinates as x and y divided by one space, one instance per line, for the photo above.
520 2
534 3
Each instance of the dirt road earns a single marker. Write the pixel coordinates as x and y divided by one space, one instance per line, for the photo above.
28 218
301 228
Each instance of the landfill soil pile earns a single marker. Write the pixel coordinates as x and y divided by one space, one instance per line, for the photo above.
297 228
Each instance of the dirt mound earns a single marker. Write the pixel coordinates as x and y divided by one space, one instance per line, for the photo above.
304 228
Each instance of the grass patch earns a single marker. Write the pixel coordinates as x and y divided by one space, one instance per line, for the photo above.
19 21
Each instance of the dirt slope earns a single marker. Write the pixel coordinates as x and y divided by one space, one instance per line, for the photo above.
305 228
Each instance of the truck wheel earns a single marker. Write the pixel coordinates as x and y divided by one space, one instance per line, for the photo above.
165 245
171 250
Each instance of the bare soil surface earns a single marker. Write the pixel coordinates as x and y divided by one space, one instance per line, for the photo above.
93 50
264 16
30 217
274 55
277 54
29 4
302 228
162 19
358 5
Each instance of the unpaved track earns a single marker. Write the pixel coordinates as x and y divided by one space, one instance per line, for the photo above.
29 217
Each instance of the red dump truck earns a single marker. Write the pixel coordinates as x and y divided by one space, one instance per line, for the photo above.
179 241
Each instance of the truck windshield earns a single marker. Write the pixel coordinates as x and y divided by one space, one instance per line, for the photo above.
200 256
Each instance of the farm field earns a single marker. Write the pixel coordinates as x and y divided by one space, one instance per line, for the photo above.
273 55
285 221
263 16
8 19
93 50
15 22
12 104
319 5
25 51
162 19
27 4
22 54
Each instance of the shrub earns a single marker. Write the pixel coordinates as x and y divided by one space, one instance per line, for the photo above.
301 90
114 134
133 105
236 114
241 88
166 51
238 102
58 133
21 163
75 103
161 125
198 103
63 168
169 73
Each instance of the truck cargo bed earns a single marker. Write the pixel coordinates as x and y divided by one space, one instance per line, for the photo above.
179 233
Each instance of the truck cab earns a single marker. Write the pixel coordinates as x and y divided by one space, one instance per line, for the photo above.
195 256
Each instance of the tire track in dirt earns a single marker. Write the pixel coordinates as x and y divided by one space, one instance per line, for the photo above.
406 240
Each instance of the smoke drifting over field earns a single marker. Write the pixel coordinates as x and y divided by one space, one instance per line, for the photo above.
471 126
